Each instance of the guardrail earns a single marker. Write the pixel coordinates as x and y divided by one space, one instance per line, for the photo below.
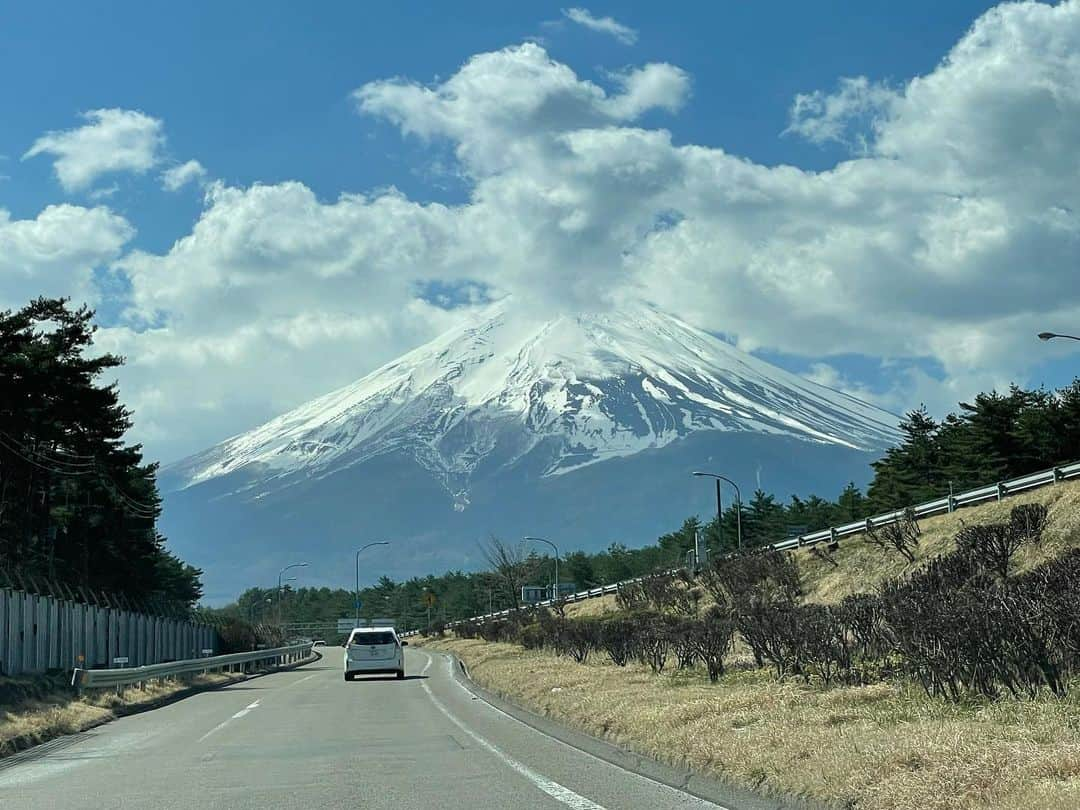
110 678
992 492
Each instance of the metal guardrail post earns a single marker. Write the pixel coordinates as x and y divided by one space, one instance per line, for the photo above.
1002 491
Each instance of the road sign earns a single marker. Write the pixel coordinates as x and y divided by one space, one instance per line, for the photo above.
429 599
120 660
207 651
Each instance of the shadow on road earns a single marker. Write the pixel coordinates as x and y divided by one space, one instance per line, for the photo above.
363 678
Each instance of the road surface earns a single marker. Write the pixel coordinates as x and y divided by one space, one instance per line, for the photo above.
305 739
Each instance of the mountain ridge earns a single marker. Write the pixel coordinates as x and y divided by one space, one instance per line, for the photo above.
597 385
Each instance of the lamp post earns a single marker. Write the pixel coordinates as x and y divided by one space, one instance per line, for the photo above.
543 540
369 545
1045 336
282 571
738 502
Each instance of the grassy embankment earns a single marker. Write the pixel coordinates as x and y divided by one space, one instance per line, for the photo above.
34 710
886 746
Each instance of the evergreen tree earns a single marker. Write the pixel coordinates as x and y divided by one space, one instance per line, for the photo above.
76 503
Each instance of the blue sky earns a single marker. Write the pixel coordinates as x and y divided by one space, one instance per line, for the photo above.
263 96
267 94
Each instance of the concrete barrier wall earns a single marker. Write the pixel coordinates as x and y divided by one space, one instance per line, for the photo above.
40 633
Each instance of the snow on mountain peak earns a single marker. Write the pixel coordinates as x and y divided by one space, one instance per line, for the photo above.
574 390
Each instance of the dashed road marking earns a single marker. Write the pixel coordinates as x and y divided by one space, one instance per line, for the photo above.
224 723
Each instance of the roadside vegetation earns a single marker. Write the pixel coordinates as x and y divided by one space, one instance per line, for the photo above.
934 668
34 710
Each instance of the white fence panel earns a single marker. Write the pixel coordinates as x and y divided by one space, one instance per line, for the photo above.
40 633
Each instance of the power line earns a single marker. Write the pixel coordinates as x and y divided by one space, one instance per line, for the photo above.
21 449
16 451
132 505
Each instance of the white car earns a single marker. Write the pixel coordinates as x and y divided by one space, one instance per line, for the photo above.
374 649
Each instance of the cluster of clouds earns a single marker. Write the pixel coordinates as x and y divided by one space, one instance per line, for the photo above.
112 141
950 233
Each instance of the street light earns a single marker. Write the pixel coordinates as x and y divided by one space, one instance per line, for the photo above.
738 503
369 545
542 540
1044 336
282 571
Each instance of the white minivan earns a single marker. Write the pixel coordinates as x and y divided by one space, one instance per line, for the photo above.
374 649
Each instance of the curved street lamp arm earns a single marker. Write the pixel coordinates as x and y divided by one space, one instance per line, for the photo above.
1044 336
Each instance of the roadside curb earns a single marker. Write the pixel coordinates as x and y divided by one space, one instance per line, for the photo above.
727 796
24 748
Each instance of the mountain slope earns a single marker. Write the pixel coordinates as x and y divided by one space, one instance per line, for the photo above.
591 387
515 418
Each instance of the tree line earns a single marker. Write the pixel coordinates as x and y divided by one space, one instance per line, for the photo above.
78 505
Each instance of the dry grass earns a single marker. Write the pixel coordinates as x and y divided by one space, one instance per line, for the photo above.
42 714
592 607
863 566
878 747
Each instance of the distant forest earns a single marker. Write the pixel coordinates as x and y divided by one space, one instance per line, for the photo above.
994 437
78 506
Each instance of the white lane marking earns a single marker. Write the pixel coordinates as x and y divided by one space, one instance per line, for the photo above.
224 723
247 709
553 789
686 797
294 683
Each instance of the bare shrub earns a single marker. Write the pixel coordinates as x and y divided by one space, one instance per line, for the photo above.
711 637
901 536
992 544
654 642
748 587
618 638
1029 521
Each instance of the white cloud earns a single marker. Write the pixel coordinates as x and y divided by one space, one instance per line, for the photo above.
858 105
55 253
176 177
501 105
274 298
603 25
953 237
114 140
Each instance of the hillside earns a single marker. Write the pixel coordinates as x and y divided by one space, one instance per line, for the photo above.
862 566
878 743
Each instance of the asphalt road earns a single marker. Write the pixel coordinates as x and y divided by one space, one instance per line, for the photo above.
306 738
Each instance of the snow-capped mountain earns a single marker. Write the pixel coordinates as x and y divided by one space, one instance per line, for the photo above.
584 427
585 388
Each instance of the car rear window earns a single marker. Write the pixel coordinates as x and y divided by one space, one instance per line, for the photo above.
373 638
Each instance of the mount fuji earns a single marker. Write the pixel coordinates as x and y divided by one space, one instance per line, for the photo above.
583 427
